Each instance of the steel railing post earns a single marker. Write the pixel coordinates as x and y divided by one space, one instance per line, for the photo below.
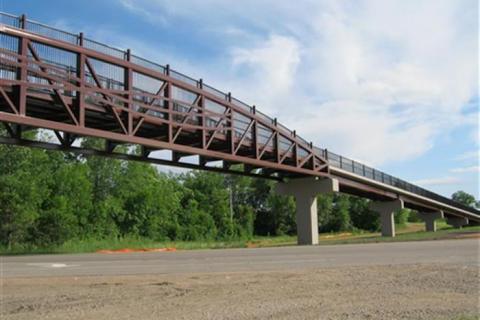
127 87
168 95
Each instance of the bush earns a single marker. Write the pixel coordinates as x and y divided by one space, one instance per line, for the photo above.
401 216
414 217
361 215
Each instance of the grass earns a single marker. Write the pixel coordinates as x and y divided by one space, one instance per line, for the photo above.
409 232
466 318
403 235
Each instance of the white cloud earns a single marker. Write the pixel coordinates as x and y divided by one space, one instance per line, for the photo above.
438 181
357 77
271 69
469 155
153 17
466 169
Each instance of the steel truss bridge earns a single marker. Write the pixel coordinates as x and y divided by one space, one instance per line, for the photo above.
77 87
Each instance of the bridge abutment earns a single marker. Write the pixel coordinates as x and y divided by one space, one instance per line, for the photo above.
457 222
429 218
305 191
386 210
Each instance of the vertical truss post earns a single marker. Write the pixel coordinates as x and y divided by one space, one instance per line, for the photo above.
255 134
277 141
201 103
20 91
80 98
295 149
314 160
127 87
168 95
232 127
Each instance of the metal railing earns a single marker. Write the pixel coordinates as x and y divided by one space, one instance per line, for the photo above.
360 169
333 159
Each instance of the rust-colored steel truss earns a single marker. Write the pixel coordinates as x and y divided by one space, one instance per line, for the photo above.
175 115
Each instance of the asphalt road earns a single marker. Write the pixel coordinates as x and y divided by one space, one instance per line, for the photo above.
462 252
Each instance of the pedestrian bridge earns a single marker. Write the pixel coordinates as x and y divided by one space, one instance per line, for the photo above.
77 87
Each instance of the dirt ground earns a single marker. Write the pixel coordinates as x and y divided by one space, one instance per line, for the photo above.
379 292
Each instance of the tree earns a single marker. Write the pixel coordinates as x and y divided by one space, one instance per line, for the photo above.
283 212
19 204
274 214
361 215
23 174
465 198
241 190
401 216
103 174
150 202
324 212
66 208
341 213
212 197
244 218
334 212
196 224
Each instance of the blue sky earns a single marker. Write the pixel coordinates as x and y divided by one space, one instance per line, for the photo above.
391 83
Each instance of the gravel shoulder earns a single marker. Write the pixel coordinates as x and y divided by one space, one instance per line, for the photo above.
375 292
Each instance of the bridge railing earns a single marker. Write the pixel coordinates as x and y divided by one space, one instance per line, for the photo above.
334 160
352 166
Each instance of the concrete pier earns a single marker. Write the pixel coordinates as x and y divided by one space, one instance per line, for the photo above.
305 191
429 218
386 210
457 222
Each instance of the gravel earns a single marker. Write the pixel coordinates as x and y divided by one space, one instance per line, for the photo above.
414 291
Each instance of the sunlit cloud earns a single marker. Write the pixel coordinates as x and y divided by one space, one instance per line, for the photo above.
438 181
470 169
469 155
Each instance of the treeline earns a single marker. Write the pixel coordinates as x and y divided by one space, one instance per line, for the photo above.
48 198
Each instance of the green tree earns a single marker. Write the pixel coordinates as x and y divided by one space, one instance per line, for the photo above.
103 174
325 212
66 208
283 211
341 216
333 212
196 224
149 200
23 175
244 219
19 209
465 198
209 192
274 214
241 191
401 216
361 215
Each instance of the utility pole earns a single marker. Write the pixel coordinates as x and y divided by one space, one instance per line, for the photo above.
231 204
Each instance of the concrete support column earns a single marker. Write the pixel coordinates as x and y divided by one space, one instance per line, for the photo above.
305 191
457 222
429 218
386 210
